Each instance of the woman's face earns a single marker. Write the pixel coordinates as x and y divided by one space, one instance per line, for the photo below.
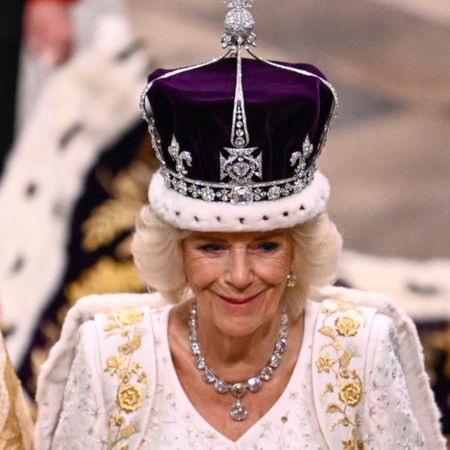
238 279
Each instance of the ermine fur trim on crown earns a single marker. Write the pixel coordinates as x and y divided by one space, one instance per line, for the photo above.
198 215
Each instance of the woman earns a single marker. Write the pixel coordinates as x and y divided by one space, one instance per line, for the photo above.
240 347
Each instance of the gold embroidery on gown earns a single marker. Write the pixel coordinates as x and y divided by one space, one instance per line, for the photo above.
336 360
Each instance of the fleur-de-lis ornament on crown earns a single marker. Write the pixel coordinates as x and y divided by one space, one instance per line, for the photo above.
179 157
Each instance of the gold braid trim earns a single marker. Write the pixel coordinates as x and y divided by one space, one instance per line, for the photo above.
133 384
335 359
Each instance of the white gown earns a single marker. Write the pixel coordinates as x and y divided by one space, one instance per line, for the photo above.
306 416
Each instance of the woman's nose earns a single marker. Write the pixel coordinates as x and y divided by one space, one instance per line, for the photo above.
240 270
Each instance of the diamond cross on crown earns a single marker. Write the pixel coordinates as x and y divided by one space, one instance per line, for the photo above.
241 165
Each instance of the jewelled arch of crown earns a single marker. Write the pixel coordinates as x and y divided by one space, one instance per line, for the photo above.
240 165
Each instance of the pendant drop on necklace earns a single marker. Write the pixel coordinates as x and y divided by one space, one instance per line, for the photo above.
238 411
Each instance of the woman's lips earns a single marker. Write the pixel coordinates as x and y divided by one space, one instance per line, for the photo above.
238 301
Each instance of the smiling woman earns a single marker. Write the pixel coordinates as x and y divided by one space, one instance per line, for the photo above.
157 251
241 282
241 345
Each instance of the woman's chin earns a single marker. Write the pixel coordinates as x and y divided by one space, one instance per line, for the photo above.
236 327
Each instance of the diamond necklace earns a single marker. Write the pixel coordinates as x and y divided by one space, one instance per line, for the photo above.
238 411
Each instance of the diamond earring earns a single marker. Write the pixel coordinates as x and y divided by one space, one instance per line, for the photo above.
291 280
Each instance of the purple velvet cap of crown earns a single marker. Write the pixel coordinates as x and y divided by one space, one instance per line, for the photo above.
282 109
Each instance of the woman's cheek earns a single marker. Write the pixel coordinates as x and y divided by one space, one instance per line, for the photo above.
274 270
201 271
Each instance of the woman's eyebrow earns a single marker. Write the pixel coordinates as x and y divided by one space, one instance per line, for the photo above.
210 238
264 237
268 236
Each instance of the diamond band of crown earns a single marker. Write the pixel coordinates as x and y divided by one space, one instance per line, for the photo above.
232 192
239 177
236 193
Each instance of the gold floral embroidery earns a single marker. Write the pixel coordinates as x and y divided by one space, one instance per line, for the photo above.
335 358
347 326
328 331
129 398
324 363
118 420
130 317
126 432
115 363
350 445
350 393
133 381
131 346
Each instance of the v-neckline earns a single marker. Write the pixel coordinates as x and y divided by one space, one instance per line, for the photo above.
201 422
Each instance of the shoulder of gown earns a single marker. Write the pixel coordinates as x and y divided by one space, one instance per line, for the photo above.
76 362
371 348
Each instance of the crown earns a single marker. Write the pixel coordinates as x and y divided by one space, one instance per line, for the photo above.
234 130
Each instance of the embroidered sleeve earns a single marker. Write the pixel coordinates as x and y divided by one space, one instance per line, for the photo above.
389 420
82 422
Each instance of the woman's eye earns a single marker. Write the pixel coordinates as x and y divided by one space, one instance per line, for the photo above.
210 248
268 246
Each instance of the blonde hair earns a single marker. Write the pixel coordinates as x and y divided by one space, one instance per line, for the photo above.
156 249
